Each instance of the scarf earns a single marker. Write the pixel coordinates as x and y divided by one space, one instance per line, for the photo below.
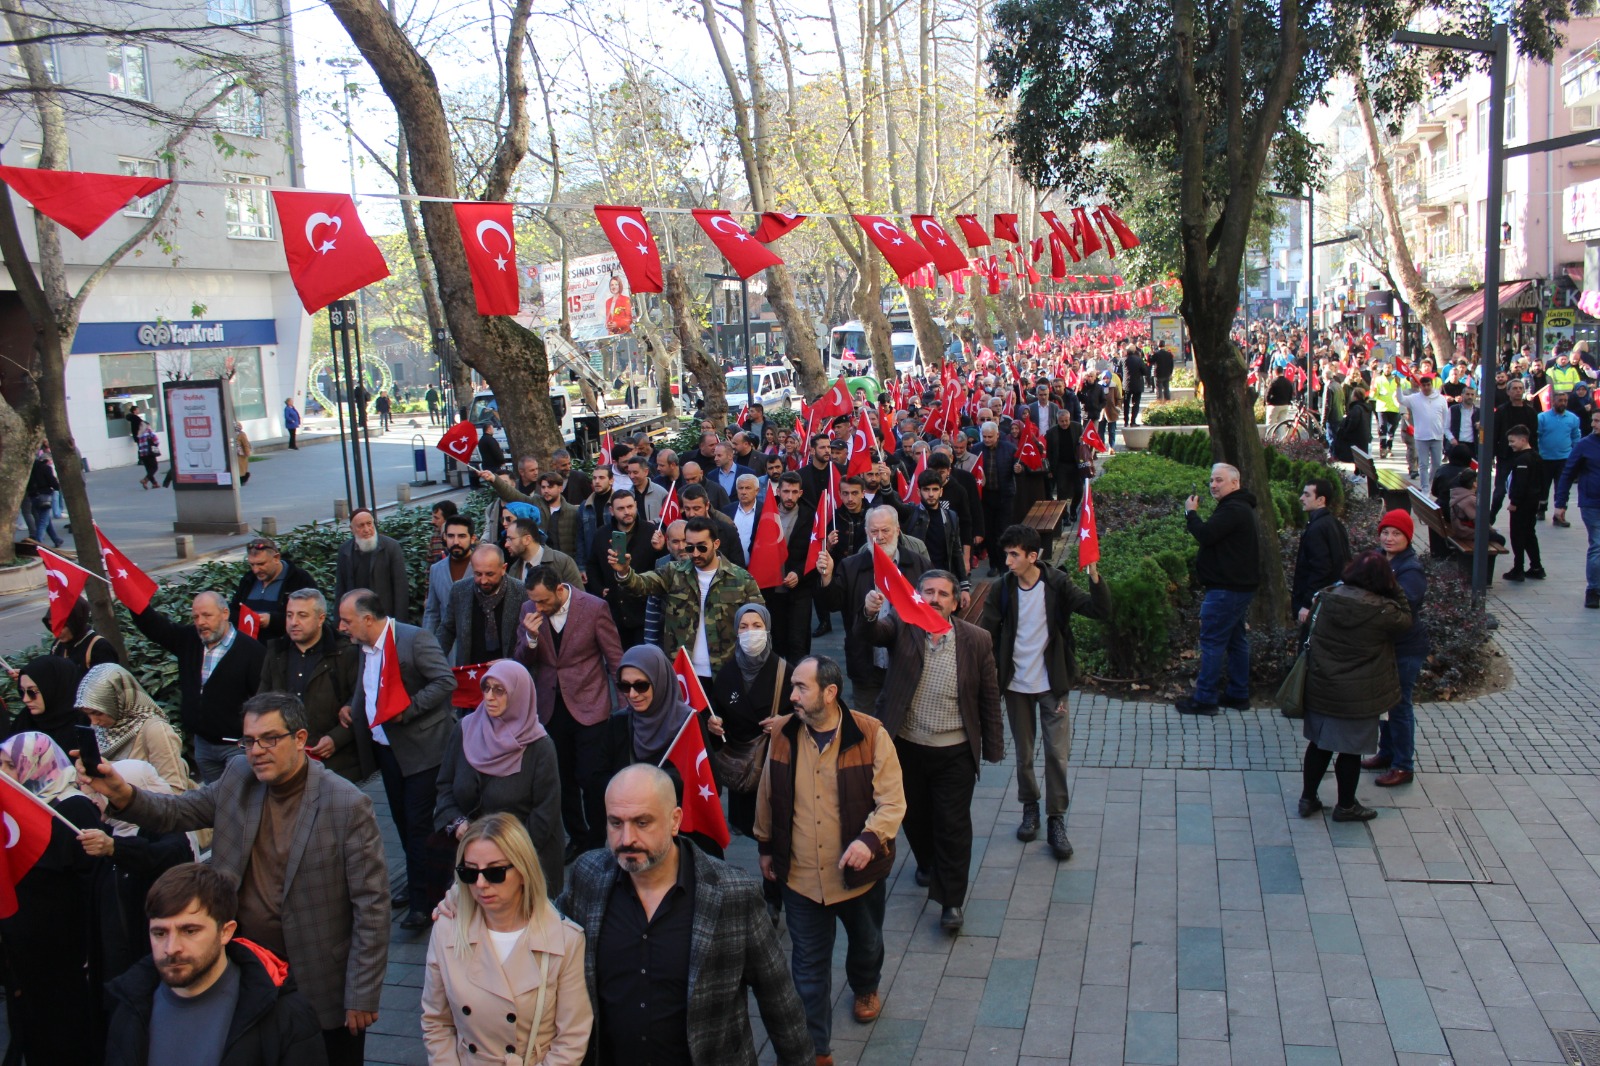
42 767
494 746
654 729
750 665
489 604
56 679
142 776
112 691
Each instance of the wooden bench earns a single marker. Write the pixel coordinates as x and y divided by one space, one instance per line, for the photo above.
1045 516
1393 488
980 593
1426 509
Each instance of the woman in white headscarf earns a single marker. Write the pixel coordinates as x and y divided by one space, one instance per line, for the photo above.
130 725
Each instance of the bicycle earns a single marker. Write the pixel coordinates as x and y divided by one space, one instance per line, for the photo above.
1305 424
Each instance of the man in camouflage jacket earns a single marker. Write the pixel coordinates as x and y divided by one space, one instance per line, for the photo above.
679 583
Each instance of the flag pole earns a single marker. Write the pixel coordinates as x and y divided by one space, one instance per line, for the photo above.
76 829
693 714
75 566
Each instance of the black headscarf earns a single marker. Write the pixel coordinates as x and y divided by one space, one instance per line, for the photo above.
653 731
57 681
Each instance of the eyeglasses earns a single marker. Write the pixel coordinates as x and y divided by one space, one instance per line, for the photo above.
30 693
698 549
261 546
267 742
495 875
641 687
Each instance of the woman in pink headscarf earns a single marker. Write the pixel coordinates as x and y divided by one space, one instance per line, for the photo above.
500 759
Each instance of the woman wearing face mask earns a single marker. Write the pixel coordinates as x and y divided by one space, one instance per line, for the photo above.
501 760
748 692
47 685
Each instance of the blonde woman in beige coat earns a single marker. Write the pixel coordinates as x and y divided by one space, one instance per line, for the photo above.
507 966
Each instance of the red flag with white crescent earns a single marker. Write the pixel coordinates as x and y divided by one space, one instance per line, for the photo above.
1088 531
819 528
327 249
1091 437
488 235
28 829
688 682
459 441
393 698
635 245
64 581
835 402
775 224
249 622
906 601
905 256
937 240
1005 228
1030 452
670 511
132 586
768 550
469 685
862 443
702 809
980 477
972 231
746 255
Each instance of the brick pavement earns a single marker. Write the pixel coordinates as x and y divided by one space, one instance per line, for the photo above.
1202 922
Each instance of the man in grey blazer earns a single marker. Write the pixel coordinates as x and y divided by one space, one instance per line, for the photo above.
480 618
370 560
443 574
304 847
408 747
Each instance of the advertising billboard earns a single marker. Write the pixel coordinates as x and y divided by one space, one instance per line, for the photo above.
597 297
199 434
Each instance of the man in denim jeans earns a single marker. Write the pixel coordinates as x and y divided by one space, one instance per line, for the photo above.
1397 742
1583 467
1229 567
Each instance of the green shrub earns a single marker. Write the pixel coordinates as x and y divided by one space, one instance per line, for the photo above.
1192 449
1174 413
1148 476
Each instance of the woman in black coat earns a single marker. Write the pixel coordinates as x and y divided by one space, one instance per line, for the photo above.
48 685
1356 429
78 642
750 689
500 759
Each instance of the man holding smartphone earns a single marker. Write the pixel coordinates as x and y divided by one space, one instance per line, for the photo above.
1229 567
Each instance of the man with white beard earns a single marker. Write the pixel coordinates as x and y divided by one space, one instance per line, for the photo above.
370 560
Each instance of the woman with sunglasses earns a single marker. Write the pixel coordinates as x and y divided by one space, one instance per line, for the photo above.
504 970
500 760
47 685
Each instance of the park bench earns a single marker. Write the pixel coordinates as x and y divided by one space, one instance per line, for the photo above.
974 611
1045 516
1391 486
1426 509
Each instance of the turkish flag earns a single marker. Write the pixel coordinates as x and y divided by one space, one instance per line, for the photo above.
904 254
469 685
65 581
689 686
459 440
744 254
819 527
886 421
768 550
775 224
1091 437
1005 228
489 236
744 416
670 511
1030 453
393 698
328 250
249 623
1105 232
862 443
1088 531
1083 230
835 402
631 239
908 491
937 240
980 477
78 200
702 809
972 231
28 824
1125 235
907 603
128 583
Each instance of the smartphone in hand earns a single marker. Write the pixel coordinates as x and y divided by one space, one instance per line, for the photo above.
88 749
619 544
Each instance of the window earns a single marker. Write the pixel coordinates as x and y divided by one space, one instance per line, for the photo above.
144 206
1511 113
1483 127
32 151
228 12
126 70
249 217
242 111
14 65
130 381
1583 118
241 368
1441 161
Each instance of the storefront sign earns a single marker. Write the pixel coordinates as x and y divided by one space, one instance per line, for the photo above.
199 434
1559 325
1580 211
107 338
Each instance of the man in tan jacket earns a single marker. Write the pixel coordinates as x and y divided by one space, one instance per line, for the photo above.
827 812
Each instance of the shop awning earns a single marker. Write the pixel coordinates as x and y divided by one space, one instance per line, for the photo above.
1469 312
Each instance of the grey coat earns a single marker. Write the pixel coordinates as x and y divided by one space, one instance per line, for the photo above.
532 794
335 902
418 734
454 631
731 946
389 578
439 584
564 565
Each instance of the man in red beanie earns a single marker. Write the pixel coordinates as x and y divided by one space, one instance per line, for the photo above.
1397 733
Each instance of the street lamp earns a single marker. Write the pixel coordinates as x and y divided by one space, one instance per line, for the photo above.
344 65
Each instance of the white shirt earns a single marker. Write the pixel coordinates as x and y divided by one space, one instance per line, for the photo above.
371 677
504 942
700 656
558 621
1027 653
745 522
1428 414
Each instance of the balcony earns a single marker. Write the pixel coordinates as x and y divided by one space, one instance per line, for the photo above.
1409 194
1457 270
1447 186
1420 128
1580 78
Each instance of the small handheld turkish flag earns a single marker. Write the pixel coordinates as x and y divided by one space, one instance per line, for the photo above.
631 239
128 583
907 603
689 682
469 685
670 511
979 476
775 224
1088 531
249 623
1091 437
862 444
702 809
835 402
28 828
488 235
1031 451
78 200
819 528
64 581
937 240
768 550
393 698
459 440
908 492
905 255
746 255
327 248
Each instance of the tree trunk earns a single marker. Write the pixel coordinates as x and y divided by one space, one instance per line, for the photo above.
1401 266
20 435
510 357
1005 310
926 329
981 328
798 330
707 371
867 305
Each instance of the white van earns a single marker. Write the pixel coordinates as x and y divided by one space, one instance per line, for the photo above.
485 410
773 384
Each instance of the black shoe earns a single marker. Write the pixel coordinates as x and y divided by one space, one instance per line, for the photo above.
1353 813
1514 575
400 900
922 877
1562 522
1591 599
1537 573
823 629
416 920
1187 705
1235 705
1309 805
1056 833
1029 829
950 919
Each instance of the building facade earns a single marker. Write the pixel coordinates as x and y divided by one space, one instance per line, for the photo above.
208 296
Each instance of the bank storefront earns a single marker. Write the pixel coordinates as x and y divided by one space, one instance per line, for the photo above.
116 367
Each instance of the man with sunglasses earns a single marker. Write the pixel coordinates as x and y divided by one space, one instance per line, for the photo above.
304 847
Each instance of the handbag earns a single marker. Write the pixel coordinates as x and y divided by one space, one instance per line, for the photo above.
535 1053
738 767
1292 693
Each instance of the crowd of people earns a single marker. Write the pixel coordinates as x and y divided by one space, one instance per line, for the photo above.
519 720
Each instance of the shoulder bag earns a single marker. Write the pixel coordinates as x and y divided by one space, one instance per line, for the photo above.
737 767
1292 693
534 1053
